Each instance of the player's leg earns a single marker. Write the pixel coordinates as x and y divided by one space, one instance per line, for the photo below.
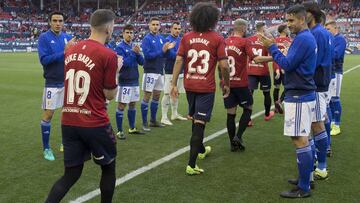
297 125
337 109
265 86
246 101
276 91
174 103
231 127
154 105
253 85
131 114
122 97
107 181
165 101
147 86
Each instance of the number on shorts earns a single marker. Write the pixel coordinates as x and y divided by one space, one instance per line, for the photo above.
204 67
79 83
231 61
126 91
48 94
149 80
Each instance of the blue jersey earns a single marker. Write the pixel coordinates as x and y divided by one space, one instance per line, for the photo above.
299 65
51 55
129 73
339 52
324 41
170 55
154 58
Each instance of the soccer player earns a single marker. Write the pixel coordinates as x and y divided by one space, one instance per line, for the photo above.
239 49
278 75
51 54
128 87
322 79
154 47
299 65
335 84
170 56
259 73
200 50
91 71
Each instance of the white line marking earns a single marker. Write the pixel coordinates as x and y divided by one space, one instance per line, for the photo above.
165 159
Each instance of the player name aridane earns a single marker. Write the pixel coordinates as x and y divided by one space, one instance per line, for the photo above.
199 40
81 57
234 48
75 110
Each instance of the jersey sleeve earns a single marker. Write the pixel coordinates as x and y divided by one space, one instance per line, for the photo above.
110 72
221 52
148 50
46 56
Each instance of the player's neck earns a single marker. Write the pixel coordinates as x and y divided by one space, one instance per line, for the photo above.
312 24
98 37
283 35
238 34
56 33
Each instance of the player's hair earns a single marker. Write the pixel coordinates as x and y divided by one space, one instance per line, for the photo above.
154 19
281 28
331 22
128 27
175 23
313 8
240 24
323 17
56 13
204 16
101 17
259 25
297 10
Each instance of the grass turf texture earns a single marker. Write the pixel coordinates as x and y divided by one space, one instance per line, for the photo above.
256 175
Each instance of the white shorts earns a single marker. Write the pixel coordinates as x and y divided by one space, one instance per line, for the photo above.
167 82
152 81
335 85
297 119
53 98
320 107
127 94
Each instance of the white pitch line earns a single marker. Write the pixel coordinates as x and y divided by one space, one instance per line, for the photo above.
165 159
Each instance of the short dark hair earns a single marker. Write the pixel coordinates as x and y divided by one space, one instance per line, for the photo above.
297 10
314 9
154 18
204 16
259 25
56 13
323 17
175 23
128 27
281 28
101 17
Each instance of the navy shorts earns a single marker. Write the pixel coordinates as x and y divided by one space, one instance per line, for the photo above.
80 143
280 80
238 96
264 80
200 105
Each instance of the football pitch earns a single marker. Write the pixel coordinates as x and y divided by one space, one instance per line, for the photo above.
256 175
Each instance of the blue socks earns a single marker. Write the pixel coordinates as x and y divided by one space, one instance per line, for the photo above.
153 109
336 110
321 142
131 117
144 111
328 125
305 163
45 132
119 119
313 148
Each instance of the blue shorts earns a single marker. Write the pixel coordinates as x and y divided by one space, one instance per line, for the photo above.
280 80
200 105
265 82
80 143
238 96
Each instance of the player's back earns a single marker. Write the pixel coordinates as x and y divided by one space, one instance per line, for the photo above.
259 50
90 68
201 52
281 42
238 51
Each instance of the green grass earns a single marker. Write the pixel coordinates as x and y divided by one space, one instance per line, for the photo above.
257 175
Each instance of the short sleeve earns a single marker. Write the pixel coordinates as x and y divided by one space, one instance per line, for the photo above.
110 72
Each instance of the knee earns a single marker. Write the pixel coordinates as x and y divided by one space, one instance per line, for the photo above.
47 115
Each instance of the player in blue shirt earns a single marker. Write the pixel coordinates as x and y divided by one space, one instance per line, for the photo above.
128 87
51 47
322 79
335 84
170 56
154 46
299 65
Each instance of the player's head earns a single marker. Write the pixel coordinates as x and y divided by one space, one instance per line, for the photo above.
332 27
128 33
204 17
313 12
175 29
260 27
296 18
240 26
283 30
154 25
102 23
56 21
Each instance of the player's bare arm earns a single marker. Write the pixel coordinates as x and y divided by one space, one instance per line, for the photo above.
174 93
224 68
